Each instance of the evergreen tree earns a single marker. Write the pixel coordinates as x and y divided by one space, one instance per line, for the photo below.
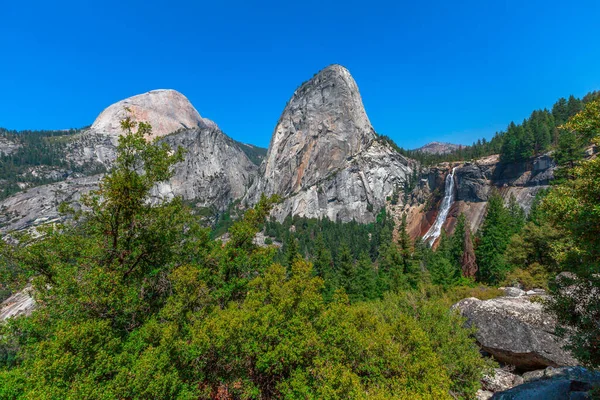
560 111
573 208
323 267
405 246
345 269
442 272
493 238
457 242
291 251
365 287
516 215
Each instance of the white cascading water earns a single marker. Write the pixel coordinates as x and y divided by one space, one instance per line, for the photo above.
436 229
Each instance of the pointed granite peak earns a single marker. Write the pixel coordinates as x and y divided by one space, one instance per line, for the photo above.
166 110
322 126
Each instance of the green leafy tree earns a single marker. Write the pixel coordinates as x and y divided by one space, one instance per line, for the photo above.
573 208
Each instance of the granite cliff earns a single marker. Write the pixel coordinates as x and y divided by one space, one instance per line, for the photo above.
473 183
325 159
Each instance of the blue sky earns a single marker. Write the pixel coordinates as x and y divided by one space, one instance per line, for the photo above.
439 70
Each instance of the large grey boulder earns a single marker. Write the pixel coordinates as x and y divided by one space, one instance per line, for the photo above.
500 380
516 331
325 159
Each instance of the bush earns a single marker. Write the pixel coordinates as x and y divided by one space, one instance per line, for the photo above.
535 276
480 292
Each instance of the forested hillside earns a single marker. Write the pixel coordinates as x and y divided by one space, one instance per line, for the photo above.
35 158
520 141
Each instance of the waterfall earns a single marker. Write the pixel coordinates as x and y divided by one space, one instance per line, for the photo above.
436 229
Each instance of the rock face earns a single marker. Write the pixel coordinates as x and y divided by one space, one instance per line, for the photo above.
7 146
474 183
39 205
20 303
324 157
515 331
215 170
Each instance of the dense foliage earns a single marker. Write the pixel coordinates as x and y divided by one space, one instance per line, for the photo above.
137 301
573 209
255 154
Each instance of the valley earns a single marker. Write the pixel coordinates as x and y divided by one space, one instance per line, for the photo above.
333 226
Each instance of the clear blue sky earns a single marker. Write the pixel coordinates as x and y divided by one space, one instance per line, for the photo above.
438 70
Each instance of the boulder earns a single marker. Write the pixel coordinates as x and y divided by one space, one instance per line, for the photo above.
483 394
514 292
555 384
516 331
500 380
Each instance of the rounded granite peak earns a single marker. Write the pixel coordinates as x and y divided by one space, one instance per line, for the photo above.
166 110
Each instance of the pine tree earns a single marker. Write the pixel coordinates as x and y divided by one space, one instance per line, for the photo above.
560 111
291 251
492 241
457 240
323 267
365 285
516 215
404 244
345 269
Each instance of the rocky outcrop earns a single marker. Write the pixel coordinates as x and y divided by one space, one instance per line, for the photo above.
215 170
500 380
516 331
8 146
325 159
437 148
39 205
20 303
